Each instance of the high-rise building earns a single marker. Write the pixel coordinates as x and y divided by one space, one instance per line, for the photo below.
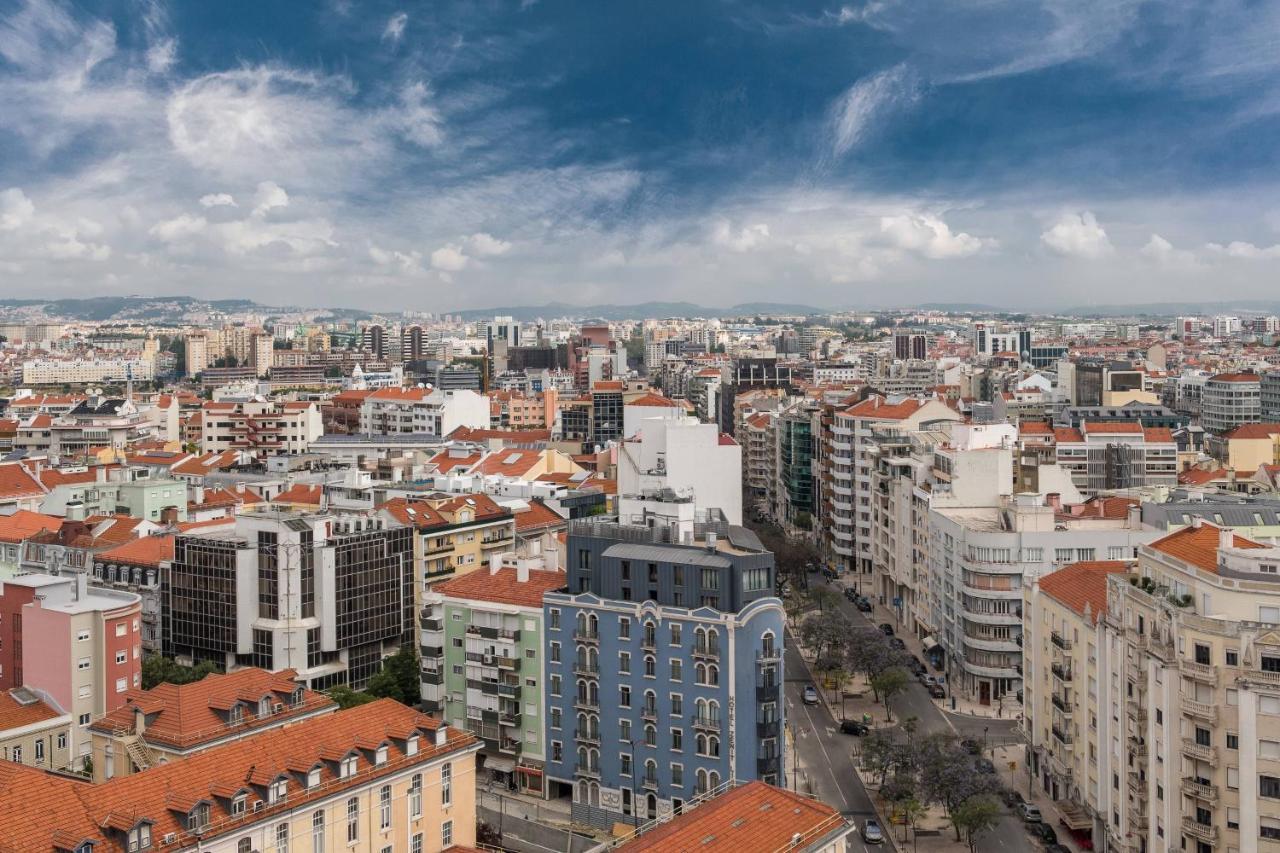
374 341
910 344
1229 400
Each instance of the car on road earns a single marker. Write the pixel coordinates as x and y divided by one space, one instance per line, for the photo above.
971 746
937 691
829 573
853 727
1044 832
886 629
810 695
851 595
916 666
871 832
1011 798
864 604
1029 813
984 765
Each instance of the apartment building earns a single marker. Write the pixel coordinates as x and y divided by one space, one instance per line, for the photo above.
664 667
1229 400
452 534
366 779
794 489
79 646
85 371
33 730
1111 455
758 457
482 661
260 427
397 411
326 595
679 455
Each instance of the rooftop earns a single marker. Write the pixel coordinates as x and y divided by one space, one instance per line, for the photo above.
503 586
1198 545
1081 585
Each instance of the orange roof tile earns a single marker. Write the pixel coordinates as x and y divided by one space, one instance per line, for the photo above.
876 408
17 482
1067 435
446 461
1078 584
143 551
1199 545
14 714
1163 435
511 462
503 586
401 394
754 816
24 523
1253 431
1112 427
655 400
1034 428
523 436
301 493
1235 377
538 516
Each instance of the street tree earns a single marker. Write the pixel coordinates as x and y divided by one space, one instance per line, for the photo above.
878 754
948 776
825 633
868 653
888 684
975 817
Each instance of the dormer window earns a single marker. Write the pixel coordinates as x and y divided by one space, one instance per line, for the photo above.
313 778
411 745
380 757
140 838
278 791
198 819
348 767
236 717
296 698
264 706
239 804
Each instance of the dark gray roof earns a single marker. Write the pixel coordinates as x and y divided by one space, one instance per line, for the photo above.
1232 512
667 554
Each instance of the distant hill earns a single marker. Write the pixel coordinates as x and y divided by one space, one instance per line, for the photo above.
1169 309
639 311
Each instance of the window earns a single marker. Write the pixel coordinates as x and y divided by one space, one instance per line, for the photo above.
624 696
140 837
121 629
317 831
556 721
82 636
84 663
415 843
555 685
1233 657
16 754
1203 655
313 778
239 804
278 791
353 820
677 705
624 730
62 741
122 684
347 768
446 833
624 662
84 719
380 757
625 766
554 623
415 796
282 838
624 628
1269 786
198 819
1233 741
677 670
555 652
244 845
677 740
122 656
39 751
446 785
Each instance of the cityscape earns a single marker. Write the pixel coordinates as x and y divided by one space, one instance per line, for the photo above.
529 427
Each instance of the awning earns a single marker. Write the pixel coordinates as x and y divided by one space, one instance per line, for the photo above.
530 771
1074 816
929 643
499 763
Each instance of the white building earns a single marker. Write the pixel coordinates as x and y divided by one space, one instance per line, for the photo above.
84 371
688 458
396 411
261 427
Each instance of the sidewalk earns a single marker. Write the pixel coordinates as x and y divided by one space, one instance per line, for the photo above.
1010 762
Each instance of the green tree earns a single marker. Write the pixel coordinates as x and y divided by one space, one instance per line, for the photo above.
348 698
825 633
911 810
157 669
974 818
405 669
383 685
888 684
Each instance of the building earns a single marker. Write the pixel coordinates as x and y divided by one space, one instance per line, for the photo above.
1269 396
397 411
794 489
482 670
174 721
744 816
1229 400
33 730
909 344
1248 446
326 595
86 371
79 646
260 427
677 454
374 341
1112 455
375 776
452 534
664 667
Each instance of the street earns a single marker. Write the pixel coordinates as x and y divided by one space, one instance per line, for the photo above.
826 755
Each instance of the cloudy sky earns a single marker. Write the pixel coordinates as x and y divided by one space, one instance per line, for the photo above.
440 155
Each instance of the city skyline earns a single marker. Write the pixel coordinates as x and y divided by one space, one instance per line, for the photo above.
454 156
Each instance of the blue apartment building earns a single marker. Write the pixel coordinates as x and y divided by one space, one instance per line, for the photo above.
664 668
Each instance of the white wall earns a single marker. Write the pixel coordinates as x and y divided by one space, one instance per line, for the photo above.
693 461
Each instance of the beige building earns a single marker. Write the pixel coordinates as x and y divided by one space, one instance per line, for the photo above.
452 535
33 730
1249 446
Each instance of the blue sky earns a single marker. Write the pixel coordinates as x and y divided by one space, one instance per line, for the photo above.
432 156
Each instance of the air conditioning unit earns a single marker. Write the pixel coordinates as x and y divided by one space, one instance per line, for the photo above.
278 708
170 837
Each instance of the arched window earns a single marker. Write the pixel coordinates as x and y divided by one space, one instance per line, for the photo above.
702 781
700 673
700 744
593 625
582 691
713 746
582 725
650 772
699 639
713 641
650 635
700 709
582 758
650 735
650 666
581 622
713 711
713 779
713 675
650 703
767 644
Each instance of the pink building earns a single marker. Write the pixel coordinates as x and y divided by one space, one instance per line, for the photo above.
80 645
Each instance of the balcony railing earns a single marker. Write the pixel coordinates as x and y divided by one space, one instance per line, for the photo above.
1199 751
1202 831
1199 671
1193 787
433 624
708 723
584 668
587 636
1200 710
504 662
705 651
1060 672
769 655
650 782
591 771
587 735
1061 704
511 691
767 729
649 712
1060 641
587 703
1062 735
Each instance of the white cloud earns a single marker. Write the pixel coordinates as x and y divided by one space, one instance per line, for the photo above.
854 112
747 238
218 200
269 195
410 262
69 246
1078 235
16 209
1247 251
395 26
302 237
486 245
1162 252
162 55
449 258
928 235
418 121
178 228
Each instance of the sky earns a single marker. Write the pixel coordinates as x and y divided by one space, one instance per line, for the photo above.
433 156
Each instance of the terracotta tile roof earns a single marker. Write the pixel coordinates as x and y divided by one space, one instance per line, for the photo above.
17 482
1253 431
876 408
143 551
1199 545
607 385
1112 427
510 462
1162 435
301 493
1034 428
52 477
655 400
187 715
727 440
502 587
38 810
538 516
225 497
758 421
1200 477
24 523
1067 435
354 397
111 530
1235 377
1078 584
14 714
446 461
207 462
754 816
484 506
400 394
226 521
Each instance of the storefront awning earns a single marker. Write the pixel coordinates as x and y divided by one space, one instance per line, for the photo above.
499 763
929 643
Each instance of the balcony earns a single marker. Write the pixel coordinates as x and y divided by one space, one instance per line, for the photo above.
708 652
1200 710
649 712
772 655
587 736
1060 641
1061 672
767 729
1137 784
510 691
509 718
1193 787
1061 704
1199 751
504 662
587 703
589 771
767 690
1202 831
649 783
1062 735
494 633
433 676
432 624
587 636
768 765
432 651
586 670
711 724
1137 747
1202 672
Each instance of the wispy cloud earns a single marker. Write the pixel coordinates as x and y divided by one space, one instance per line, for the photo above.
394 30
854 113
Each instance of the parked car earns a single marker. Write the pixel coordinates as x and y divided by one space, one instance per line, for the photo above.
864 604
984 765
971 746
850 595
886 629
936 691
829 573
1029 813
1057 848
871 832
853 727
1011 798
1043 831
810 695
917 666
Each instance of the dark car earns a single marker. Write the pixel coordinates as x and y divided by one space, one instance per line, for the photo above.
895 643
917 666
1043 831
1011 798
971 746
864 604
1057 848
829 574
853 727
984 765
886 629
851 596
937 691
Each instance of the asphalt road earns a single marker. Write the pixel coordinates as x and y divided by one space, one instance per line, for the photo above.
827 754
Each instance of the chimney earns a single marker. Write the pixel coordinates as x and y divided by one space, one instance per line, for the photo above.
100 474
82 586
139 720
198 495
1054 499
240 488
169 515
1226 537
522 571
1135 516
711 541
495 563
74 511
